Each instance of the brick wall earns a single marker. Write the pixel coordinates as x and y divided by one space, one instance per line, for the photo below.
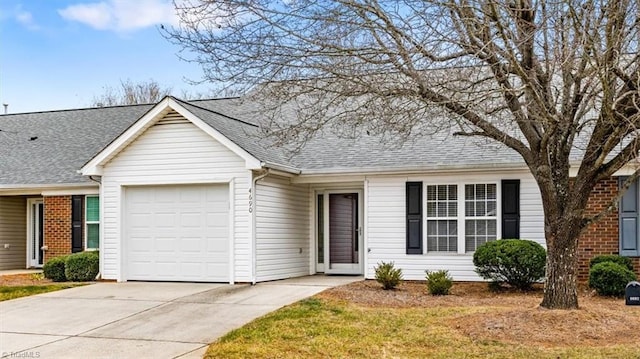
600 237
57 226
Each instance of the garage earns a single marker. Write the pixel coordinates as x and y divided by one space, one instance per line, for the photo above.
177 233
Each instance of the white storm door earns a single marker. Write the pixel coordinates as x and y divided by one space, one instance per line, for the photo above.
343 242
35 232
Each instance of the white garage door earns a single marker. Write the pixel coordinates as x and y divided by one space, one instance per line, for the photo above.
177 233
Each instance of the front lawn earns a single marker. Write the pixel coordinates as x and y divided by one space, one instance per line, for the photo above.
361 320
23 285
7 292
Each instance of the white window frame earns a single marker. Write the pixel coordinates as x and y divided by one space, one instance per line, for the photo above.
427 218
461 217
464 210
87 223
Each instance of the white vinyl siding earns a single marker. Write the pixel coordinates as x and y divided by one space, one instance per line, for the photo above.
174 153
282 229
386 222
13 232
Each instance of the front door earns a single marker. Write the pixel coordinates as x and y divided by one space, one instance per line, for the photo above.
35 232
341 232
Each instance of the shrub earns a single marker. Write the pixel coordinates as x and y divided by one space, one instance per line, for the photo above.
54 269
387 275
518 263
82 267
439 282
623 261
610 279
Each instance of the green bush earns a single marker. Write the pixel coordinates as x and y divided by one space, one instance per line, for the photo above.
387 275
623 261
610 279
82 267
54 269
518 263
439 282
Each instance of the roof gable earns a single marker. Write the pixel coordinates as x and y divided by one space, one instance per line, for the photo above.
159 111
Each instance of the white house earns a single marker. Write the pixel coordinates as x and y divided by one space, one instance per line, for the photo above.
188 191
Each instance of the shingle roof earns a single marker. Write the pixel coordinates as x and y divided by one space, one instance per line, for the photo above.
67 139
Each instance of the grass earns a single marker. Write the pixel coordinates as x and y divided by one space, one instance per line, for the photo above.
23 285
325 327
13 292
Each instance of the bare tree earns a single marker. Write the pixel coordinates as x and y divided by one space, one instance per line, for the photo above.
130 93
555 80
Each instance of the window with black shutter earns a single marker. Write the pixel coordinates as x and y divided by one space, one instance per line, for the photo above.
414 217
510 209
77 209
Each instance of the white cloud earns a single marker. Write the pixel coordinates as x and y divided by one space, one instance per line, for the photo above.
21 16
26 19
122 15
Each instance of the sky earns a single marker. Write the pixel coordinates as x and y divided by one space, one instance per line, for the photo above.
60 54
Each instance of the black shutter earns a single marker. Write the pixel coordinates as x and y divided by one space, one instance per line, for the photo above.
628 226
510 209
414 217
77 211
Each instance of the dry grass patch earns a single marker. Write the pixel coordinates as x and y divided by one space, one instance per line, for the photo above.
23 285
362 320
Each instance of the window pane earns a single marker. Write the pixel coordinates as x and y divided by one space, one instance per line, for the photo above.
443 243
431 209
93 236
432 244
469 227
491 208
431 193
481 192
470 209
443 227
470 243
453 244
491 191
441 236
431 228
491 228
442 193
481 228
468 191
93 209
453 192
453 228
480 209
442 209
453 209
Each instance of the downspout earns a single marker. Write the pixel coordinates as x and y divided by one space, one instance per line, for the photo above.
254 207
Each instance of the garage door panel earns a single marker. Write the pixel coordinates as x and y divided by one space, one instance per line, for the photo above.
177 233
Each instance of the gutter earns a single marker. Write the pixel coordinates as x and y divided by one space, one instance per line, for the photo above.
412 169
264 174
281 167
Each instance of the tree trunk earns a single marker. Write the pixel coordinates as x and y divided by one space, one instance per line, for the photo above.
560 290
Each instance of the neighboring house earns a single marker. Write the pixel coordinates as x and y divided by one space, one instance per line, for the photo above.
187 191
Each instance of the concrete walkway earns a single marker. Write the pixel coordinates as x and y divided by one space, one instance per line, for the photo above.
142 319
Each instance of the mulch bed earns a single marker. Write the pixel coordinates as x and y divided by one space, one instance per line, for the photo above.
23 279
509 316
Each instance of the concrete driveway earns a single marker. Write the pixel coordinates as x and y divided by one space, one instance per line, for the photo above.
141 319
